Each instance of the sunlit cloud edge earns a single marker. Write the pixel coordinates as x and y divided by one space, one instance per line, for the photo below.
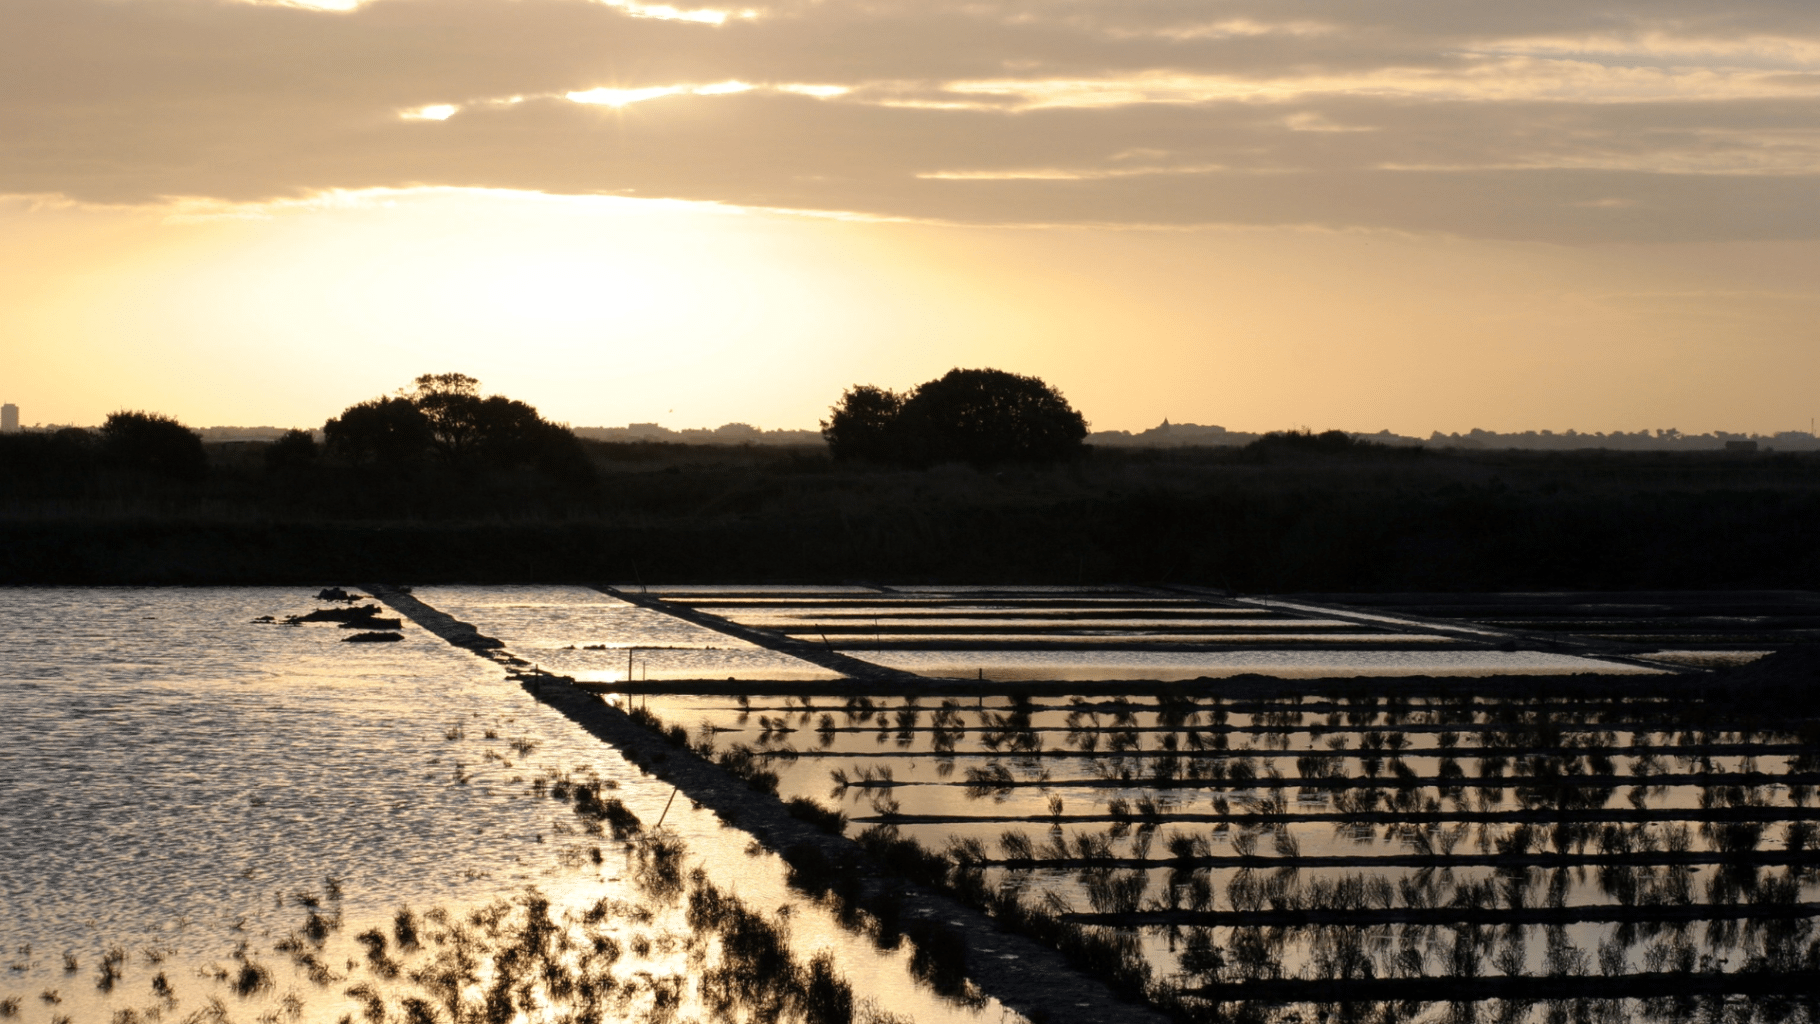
662 12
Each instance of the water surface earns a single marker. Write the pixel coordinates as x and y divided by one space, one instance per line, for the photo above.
176 776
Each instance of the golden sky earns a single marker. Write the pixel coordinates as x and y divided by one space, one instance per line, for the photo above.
1411 215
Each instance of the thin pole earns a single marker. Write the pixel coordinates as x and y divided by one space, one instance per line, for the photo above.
666 813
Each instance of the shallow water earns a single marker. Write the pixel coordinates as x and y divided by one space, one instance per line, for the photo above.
1110 633
1169 666
595 637
1083 804
175 775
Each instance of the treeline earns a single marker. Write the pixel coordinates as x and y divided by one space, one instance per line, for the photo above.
133 444
979 476
439 444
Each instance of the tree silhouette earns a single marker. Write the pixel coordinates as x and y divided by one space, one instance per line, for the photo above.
444 414
452 405
154 444
987 417
388 431
860 426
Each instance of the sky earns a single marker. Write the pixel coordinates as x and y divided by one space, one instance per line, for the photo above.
1411 215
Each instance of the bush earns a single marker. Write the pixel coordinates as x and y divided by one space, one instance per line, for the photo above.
153 444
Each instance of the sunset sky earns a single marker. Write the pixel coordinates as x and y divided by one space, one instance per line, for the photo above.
1407 214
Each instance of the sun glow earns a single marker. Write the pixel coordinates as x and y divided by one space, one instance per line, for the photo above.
820 92
625 97
666 12
606 310
621 97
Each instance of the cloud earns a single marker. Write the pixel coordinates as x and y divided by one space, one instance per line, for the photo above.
1550 120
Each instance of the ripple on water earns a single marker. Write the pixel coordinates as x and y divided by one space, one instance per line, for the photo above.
174 773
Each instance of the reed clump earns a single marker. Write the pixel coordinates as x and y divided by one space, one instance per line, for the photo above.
113 962
807 809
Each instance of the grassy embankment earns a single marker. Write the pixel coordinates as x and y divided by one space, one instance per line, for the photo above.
1370 519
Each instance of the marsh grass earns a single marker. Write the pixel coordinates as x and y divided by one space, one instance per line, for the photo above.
805 808
112 966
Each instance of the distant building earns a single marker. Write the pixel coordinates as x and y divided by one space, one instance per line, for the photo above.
9 418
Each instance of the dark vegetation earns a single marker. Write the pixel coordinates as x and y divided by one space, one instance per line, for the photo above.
443 485
984 418
373 627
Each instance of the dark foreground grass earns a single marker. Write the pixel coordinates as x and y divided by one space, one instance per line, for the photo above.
1368 522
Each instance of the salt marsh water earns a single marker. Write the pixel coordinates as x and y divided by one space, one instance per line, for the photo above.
181 782
1169 666
174 776
1108 633
594 637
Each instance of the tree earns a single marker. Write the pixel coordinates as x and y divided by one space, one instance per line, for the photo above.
444 414
860 426
987 417
389 431
154 444
452 405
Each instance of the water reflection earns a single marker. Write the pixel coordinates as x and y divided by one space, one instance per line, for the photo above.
201 809
1514 853
593 637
